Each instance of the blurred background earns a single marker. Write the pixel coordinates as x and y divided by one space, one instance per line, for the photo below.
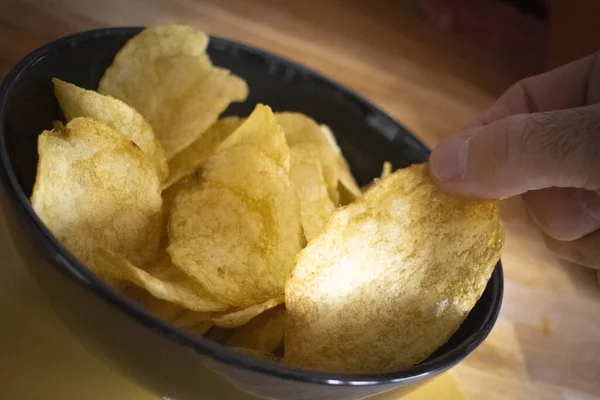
391 51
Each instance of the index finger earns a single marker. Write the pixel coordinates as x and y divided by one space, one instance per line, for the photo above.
573 85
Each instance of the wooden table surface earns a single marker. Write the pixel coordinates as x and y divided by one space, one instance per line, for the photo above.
546 344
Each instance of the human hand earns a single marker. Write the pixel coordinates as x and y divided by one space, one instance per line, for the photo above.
541 140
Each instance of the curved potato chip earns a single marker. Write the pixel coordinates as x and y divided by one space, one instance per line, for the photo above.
78 102
391 278
300 128
168 195
161 279
238 231
306 174
96 188
347 186
263 132
262 333
233 319
194 322
166 75
194 156
386 170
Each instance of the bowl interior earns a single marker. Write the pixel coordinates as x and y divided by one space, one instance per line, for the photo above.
367 136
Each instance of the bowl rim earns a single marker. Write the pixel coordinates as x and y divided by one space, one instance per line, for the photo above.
84 276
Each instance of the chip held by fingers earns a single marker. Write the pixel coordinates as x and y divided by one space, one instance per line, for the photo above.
391 277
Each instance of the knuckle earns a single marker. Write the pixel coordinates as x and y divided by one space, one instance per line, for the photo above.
568 137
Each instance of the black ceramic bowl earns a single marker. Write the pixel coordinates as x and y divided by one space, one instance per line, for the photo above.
162 358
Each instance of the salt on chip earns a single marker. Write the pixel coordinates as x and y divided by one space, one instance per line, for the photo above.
391 278
347 186
166 75
236 318
194 156
161 279
262 333
306 173
78 102
237 232
96 188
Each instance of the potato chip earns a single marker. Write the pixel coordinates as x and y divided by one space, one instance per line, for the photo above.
96 188
306 174
193 322
166 75
168 195
386 170
299 129
78 102
193 157
161 279
264 134
347 186
262 333
238 231
235 318
391 278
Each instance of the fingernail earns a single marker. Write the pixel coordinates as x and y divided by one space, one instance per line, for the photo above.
592 205
449 160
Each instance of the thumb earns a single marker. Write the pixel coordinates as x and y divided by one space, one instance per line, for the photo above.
521 153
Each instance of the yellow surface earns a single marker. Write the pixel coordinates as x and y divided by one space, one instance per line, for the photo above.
444 387
41 360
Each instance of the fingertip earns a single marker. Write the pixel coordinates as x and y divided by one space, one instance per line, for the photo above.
448 161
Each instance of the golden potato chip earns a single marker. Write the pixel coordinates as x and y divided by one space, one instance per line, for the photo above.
391 278
262 333
347 186
78 102
196 323
238 231
161 279
299 129
96 188
235 318
387 170
193 157
306 174
264 134
166 75
168 194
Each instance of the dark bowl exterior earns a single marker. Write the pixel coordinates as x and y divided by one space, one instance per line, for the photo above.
162 358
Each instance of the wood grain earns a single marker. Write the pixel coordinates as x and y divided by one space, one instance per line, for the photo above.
546 343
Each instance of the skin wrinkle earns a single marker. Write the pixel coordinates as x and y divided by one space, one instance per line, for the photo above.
527 97
501 146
